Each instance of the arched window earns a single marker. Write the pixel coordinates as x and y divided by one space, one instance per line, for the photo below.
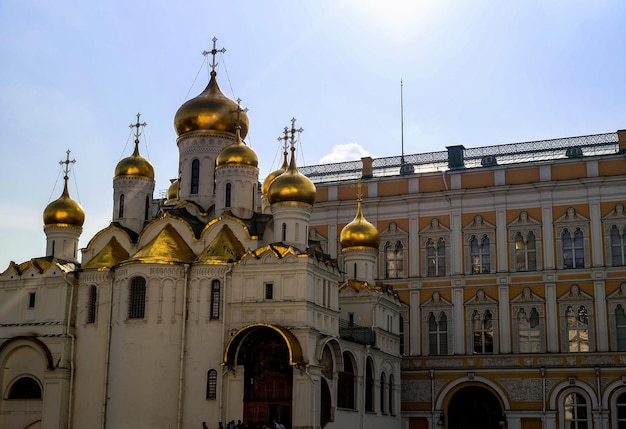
92 300
215 299
436 258
228 194
480 255
618 247
369 386
575 412
482 325
346 381
529 331
573 249
147 211
383 393
525 252
121 210
25 388
394 260
620 328
391 403
284 232
211 385
195 176
578 329
137 298
438 334
621 411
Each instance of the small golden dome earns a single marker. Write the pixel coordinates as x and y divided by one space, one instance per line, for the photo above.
291 186
135 165
274 174
237 153
359 232
211 110
172 192
64 211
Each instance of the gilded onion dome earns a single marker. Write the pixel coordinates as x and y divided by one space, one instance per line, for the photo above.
359 232
135 165
237 153
64 210
211 110
172 192
291 186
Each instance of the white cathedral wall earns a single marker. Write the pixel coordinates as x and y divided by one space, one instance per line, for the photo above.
91 349
204 346
145 353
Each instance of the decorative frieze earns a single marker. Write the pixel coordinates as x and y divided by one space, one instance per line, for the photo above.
523 389
169 271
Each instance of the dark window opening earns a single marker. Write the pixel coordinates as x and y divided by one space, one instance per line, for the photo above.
137 298
25 388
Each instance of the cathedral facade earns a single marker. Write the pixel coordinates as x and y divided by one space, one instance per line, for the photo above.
468 288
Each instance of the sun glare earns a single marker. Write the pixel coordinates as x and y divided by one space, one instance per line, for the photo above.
397 19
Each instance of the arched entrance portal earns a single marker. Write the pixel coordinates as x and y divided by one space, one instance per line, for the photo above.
474 407
267 353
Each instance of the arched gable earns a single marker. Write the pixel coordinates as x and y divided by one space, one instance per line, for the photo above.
14 343
293 345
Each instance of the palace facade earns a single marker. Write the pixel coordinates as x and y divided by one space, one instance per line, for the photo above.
467 288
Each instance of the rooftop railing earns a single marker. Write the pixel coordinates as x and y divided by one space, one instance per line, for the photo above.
514 153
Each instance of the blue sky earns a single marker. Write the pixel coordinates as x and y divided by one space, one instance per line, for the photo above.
477 73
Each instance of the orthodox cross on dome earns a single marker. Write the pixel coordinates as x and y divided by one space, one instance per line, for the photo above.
293 132
239 111
285 139
137 126
359 189
67 163
214 52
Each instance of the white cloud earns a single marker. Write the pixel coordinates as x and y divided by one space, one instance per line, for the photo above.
345 152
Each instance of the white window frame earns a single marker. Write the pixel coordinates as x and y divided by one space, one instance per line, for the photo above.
563 420
481 303
571 221
393 235
437 305
618 297
576 298
479 228
528 301
616 218
435 231
524 225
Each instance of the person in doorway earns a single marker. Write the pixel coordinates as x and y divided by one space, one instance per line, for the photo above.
204 426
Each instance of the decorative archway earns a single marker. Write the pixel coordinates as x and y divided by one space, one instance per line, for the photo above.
268 354
474 407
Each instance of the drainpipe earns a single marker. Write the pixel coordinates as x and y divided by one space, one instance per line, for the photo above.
223 296
432 396
543 393
181 364
107 355
73 342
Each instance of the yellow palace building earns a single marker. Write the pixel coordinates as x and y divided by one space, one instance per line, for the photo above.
470 288
512 259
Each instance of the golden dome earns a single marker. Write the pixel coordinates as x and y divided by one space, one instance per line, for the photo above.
135 165
64 211
291 186
172 192
274 174
359 232
211 110
237 153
